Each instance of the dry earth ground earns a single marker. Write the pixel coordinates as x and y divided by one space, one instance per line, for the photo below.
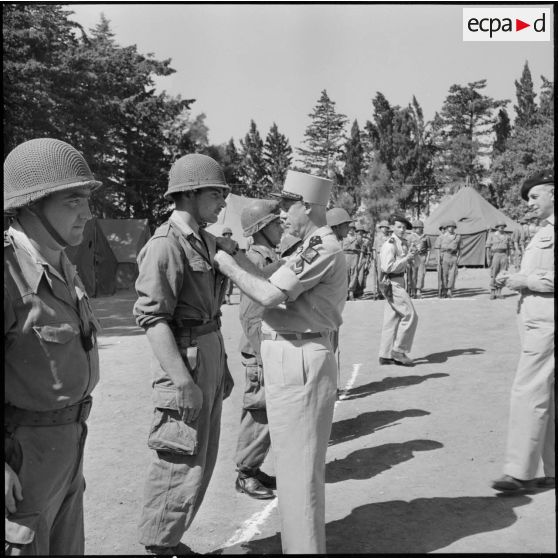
412 451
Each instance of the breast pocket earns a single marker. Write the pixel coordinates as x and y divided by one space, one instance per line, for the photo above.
198 264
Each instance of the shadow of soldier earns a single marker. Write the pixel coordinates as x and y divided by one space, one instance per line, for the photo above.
387 384
436 358
368 462
398 527
367 423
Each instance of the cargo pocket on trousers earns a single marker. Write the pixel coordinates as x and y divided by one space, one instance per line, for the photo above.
19 532
254 395
170 434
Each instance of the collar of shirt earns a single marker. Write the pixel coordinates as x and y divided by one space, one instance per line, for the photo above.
185 223
550 219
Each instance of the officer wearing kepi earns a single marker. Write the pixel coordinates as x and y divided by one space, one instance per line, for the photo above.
531 428
498 252
303 301
180 293
51 361
261 221
400 316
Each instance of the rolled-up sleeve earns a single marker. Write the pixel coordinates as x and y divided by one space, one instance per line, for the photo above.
541 281
159 282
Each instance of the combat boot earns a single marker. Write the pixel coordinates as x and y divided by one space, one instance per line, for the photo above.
499 293
449 294
492 295
419 294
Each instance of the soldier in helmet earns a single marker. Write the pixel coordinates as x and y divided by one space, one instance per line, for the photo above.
227 233
51 361
363 261
382 236
261 221
449 250
351 249
518 242
419 262
304 301
498 251
180 292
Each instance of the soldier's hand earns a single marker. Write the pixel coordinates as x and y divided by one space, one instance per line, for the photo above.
224 261
12 489
229 245
189 400
501 279
516 282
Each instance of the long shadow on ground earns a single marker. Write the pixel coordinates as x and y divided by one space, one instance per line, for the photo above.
398 527
387 384
436 358
368 462
367 423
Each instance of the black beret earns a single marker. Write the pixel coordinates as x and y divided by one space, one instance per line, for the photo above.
544 177
401 219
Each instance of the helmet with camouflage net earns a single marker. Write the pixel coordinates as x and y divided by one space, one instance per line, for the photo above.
337 216
383 223
195 171
257 215
39 167
500 223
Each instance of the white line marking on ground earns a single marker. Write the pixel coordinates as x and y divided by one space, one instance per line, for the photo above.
250 528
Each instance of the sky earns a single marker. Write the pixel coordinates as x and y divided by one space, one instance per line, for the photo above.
270 63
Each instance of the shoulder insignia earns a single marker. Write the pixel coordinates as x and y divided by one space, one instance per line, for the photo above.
392 240
314 241
310 254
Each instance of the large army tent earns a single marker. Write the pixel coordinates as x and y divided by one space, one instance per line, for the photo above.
126 238
230 217
474 216
95 261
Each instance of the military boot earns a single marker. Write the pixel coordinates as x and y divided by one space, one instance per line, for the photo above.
492 294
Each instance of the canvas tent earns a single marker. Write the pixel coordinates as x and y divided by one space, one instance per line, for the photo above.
230 217
95 261
126 238
474 216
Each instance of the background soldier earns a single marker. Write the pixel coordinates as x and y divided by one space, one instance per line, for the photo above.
381 236
411 237
227 233
421 258
531 430
304 300
51 361
260 220
180 292
400 317
365 258
351 249
518 241
449 249
498 248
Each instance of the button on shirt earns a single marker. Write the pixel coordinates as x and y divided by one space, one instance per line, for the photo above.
46 365
315 280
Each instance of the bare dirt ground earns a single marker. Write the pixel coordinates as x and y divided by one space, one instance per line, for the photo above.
412 450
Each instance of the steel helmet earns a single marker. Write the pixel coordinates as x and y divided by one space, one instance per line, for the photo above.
195 171
337 216
226 230
362 227
500 224
449 223
257 215
383 223
39 167
418 224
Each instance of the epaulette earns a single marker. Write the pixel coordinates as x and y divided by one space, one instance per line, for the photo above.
392 240
162 230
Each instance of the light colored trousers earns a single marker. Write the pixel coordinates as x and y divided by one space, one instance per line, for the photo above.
531 430
301 387
400 321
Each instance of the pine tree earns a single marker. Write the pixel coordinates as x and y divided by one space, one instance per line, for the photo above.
231 163
378 193
546 101
502 129
252 171
324 139
353 157
382 129
278 155
526 109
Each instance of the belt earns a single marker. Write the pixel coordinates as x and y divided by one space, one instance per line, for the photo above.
390 275
196 327
273 335
79 412
500 251
450 251
351 251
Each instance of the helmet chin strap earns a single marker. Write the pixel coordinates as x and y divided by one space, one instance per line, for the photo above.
37 211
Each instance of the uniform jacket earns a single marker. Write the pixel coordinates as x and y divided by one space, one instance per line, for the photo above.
498 241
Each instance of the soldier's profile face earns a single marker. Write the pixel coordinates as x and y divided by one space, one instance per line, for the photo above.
399 229
274 231
295 219
541 200
210 201
68 212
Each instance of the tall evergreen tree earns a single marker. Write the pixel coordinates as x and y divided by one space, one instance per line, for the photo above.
353 157
381 130
502 130
232 163
252 171
379 196
278 155
526 108
546 100
324 138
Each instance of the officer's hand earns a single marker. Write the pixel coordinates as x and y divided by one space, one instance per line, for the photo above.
12 489
501 279
189 400
224 261
228 383
227 244
517 281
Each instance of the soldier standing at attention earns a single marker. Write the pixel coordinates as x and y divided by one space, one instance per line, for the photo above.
51 360
260 220
227 233
518 240
449 246
363 261
531 429
180 292
498 248
351 249
382 236
421 258
303 301
400 317
411 237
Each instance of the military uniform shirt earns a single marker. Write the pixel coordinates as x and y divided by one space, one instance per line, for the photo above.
351 245
498 242
538 260
391 256
315 280
46 364
449 242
